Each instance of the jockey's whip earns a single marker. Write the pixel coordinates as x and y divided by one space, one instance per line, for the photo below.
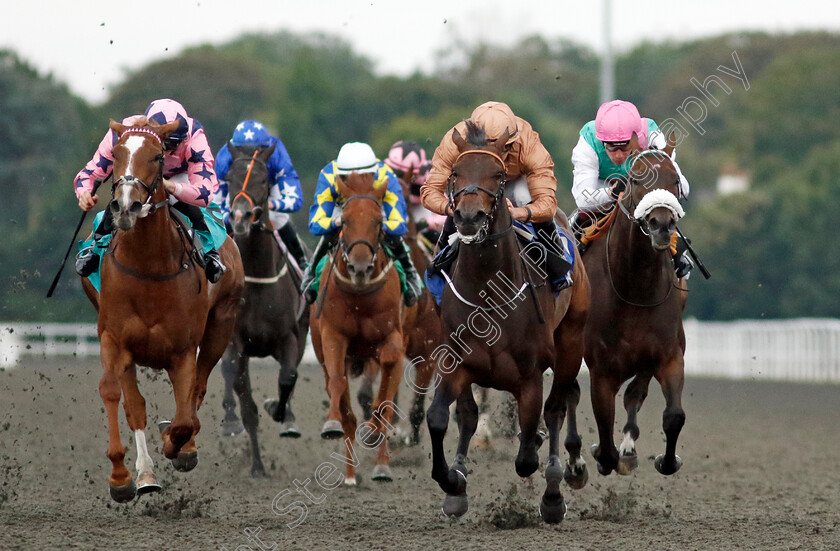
96 184
694 256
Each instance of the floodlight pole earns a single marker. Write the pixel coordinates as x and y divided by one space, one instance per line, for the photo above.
607 65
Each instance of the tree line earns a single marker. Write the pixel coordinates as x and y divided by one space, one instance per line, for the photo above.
770 249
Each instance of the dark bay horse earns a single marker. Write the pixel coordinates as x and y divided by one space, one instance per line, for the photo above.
360 318
267 324
635 329
156 309
503 328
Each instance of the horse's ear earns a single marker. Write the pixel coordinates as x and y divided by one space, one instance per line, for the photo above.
634 143
671 143
459 140
265 154
117 127
341 185
164 131
234 151
501 142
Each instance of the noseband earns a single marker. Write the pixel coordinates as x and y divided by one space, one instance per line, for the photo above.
346 248
473 189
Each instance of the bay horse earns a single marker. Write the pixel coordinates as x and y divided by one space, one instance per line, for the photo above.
423 336
156 309
635 329
267 324
502 330
360 318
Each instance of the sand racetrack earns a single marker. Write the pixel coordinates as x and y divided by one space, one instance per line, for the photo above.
761 472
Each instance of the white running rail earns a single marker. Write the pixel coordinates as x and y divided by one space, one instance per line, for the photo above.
796 350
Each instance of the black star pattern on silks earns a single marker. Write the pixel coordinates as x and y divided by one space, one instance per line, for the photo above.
196 156
104 163
204 173
204 195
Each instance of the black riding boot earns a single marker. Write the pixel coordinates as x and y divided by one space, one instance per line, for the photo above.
290 238
443 261
556 265
324 246
682 261
213 265
399 249
87 261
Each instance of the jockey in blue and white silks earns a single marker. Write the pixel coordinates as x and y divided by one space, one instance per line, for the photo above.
285 194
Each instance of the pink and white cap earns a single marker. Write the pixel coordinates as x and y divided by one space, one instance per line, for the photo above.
616 121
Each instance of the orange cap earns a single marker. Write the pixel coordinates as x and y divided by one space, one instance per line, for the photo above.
496 117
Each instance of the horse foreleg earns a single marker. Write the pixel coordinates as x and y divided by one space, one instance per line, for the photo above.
250 414
135 414
180 431
673 418
422 378
467 415
214 342
335 373
603 391
114 362
529 399
391 357
286 381
231 425
634 397
451 481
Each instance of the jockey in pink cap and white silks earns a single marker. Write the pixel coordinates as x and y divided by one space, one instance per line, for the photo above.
602 158
188 174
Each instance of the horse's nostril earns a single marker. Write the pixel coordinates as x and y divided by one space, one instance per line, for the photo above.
351 268
114 207
369 269
135 207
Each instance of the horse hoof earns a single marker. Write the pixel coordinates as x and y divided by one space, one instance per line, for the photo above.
122 494
455 505
163 425
332 430
232 427
667 469
147 484
382 473
350 481
258 472
576 478
289 430
185 461
553 513
627 464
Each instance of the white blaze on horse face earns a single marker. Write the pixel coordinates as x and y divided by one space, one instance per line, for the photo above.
133 145
144 462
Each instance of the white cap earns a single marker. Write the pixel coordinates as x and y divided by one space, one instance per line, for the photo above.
355 157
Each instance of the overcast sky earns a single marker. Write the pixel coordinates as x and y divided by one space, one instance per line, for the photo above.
89 44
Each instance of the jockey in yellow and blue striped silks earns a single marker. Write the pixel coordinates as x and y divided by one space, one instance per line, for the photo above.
359 157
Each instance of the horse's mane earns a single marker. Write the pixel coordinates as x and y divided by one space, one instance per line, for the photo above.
475 134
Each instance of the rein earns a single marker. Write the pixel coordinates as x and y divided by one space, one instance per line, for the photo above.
242 192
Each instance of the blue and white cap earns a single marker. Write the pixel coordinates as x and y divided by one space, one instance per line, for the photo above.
250 133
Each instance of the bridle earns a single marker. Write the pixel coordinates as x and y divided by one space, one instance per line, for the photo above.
473 189
630 181
129 180
345 247
243 192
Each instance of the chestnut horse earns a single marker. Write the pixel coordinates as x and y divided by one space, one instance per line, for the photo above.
267 324
359 318
156 309
503 328
423 337
635 325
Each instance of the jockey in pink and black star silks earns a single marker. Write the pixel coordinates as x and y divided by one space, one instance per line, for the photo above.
188 174
406 157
